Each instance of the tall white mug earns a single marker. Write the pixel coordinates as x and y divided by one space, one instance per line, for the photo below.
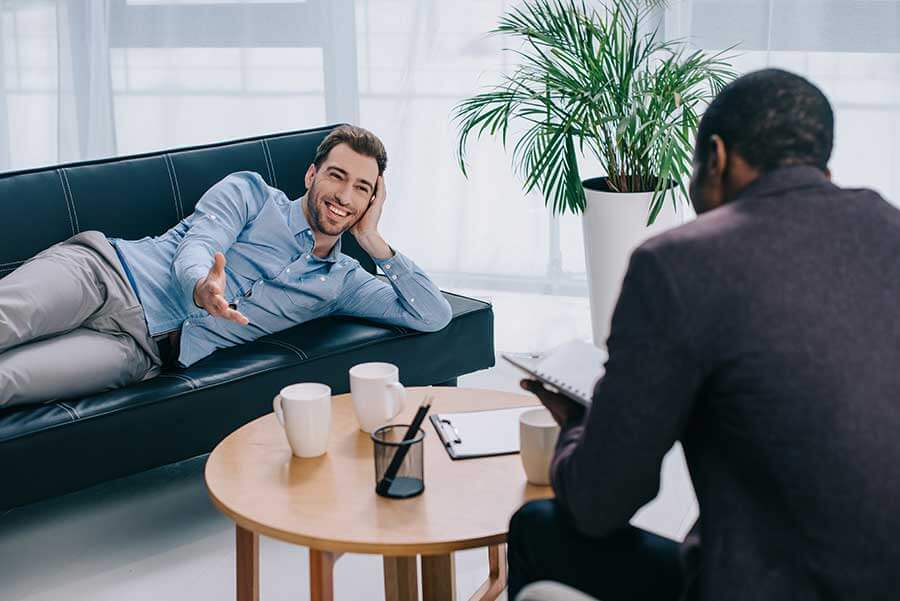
304 411
378 395
538 433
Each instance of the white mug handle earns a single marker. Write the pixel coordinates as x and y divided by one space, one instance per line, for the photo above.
279 412
398 393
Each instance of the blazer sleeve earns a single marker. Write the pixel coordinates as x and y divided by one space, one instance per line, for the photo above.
607 466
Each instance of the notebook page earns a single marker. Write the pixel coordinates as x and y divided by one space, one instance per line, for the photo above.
573 367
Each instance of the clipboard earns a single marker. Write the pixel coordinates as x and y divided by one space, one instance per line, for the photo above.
485 433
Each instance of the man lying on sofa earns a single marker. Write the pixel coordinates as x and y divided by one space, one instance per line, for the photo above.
91 313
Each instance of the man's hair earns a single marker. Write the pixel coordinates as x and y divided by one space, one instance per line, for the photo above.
773 119
360 140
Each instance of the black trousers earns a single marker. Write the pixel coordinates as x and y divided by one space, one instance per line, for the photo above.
630 564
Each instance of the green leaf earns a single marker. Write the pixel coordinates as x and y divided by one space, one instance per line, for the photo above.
592 82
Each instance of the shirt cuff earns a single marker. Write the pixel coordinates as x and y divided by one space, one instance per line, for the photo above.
189 281
395 267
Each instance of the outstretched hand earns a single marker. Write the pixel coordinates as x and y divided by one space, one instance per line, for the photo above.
209 293
562 408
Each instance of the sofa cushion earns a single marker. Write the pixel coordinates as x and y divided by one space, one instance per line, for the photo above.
303 344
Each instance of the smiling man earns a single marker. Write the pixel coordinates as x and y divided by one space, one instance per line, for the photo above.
93 313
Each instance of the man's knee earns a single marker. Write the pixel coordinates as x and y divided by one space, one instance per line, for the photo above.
531 520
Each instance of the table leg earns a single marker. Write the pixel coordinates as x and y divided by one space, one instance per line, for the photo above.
247 571
438 578
401 579
497 575
321 575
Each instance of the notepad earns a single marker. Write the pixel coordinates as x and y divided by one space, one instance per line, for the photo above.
471 434
572 368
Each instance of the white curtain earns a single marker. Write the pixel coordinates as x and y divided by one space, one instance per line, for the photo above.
86 78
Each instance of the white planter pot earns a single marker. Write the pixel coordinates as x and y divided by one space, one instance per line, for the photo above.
614 225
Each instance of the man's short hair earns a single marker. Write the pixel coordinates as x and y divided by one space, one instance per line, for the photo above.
360 140
773 119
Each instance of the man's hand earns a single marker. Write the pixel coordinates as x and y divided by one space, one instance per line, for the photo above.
366 229
562 408
208 293
368 224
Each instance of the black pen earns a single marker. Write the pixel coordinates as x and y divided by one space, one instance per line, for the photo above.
385 484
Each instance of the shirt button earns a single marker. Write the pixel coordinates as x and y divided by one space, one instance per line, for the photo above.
213 217
307 256
322 278
388 266
412 300
393 277
288 269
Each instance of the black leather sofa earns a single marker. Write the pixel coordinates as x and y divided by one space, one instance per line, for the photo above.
57 447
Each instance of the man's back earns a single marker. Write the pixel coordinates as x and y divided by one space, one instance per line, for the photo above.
790 293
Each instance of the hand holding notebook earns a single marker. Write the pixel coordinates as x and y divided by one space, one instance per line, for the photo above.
572 368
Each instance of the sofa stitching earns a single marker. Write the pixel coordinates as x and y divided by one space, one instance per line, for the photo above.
265 143
266 160
177 185
72 197
62 184
190 381
229 381
178 210
70 408
288 346
296 348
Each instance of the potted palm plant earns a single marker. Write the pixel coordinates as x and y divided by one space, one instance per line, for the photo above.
598 84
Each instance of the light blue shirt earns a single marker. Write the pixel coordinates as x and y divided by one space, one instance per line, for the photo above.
272 277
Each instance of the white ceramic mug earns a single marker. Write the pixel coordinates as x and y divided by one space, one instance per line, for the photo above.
304 411
538 433
378 395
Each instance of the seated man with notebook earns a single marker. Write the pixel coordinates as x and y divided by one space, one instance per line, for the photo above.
762 337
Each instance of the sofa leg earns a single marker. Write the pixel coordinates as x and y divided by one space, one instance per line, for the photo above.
450 382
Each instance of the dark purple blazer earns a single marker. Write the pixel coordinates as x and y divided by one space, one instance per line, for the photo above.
765 336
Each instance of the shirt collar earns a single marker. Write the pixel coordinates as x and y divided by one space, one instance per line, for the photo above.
782 180
303 230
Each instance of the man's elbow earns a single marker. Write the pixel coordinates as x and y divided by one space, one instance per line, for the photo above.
438 319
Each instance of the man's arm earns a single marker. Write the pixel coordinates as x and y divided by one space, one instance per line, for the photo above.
607 466
218 219
410 300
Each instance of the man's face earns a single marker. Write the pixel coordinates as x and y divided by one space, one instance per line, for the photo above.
340 190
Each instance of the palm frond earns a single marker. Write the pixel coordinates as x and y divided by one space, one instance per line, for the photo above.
594 82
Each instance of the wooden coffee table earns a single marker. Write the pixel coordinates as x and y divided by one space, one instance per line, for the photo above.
329 503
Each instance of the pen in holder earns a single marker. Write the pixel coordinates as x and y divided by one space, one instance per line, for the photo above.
399 463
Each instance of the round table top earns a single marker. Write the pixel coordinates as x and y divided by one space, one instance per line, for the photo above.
329 503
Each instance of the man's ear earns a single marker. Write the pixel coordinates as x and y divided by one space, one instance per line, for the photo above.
717 157
310 175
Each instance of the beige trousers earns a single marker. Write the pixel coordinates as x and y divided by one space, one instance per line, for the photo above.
71 325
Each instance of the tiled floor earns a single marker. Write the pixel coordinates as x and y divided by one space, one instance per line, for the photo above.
156 536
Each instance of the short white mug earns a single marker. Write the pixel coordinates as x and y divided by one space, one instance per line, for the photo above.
538 433
304 411
378 395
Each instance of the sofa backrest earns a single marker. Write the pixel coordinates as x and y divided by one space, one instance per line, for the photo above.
143 195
